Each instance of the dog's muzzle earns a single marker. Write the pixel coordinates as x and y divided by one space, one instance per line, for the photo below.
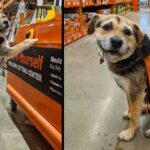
116 42
113 45
4 25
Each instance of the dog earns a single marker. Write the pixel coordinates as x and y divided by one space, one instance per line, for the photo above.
124 46
7 52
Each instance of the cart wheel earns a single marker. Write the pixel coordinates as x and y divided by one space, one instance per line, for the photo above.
13 105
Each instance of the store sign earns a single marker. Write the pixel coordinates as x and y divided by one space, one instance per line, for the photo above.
41 68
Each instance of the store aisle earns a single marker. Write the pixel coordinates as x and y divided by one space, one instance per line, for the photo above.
93 103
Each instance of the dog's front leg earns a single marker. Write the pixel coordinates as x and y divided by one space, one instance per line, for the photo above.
127 114
7 52
135 110
10 52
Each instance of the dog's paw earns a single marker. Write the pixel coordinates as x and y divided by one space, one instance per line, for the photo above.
126 115
126 135
147 133
30 41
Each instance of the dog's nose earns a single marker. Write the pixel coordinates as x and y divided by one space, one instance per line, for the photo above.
6 22
116 42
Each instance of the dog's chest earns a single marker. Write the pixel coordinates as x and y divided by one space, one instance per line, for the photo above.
121 81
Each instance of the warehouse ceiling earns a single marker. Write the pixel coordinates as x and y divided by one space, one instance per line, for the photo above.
10 7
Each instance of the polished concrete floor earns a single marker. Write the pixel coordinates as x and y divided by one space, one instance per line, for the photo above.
10 137
93 103
16 132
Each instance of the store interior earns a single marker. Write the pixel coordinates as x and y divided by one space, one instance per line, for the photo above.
30 112
94 105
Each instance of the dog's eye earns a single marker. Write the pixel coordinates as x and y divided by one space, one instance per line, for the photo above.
107 27
98 24
127 32
3 16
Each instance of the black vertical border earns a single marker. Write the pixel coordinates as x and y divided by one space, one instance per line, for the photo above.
63 100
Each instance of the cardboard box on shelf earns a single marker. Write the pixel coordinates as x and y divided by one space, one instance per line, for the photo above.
71 24
72 3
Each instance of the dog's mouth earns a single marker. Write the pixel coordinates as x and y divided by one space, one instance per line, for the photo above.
110 51
113 51
4 26
4 29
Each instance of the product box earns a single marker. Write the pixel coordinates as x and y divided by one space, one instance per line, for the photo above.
72 3
71 23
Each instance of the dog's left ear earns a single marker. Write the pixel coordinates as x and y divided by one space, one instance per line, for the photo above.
139 35
93 23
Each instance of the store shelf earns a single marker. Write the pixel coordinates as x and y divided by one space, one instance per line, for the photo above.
122 2
75 36
70 4
114 6
78 3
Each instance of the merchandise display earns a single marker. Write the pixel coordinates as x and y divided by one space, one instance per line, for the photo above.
78 13
38 92
72 27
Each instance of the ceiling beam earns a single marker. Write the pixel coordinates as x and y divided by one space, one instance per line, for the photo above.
7 4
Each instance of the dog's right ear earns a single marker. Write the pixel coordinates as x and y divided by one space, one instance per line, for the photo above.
93 23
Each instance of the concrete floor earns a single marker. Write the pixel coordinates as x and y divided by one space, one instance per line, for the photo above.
16 132
32 137
10 137
93 103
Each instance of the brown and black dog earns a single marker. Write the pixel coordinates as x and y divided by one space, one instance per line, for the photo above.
7 52
124 47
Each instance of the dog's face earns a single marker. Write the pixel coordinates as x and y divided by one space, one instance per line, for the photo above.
116 36
4 23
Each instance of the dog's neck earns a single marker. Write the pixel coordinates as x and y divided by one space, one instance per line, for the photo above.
125 66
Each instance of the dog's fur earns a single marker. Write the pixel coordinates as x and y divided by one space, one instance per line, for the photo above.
124 47
7 52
